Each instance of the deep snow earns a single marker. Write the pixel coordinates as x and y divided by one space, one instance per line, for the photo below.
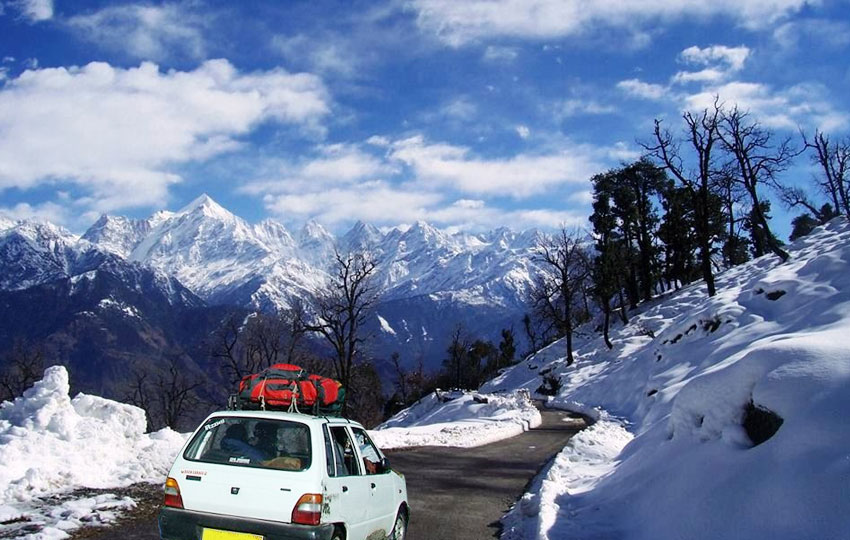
51 444
461 419
680 376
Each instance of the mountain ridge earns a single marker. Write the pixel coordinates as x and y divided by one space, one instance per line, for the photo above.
431 280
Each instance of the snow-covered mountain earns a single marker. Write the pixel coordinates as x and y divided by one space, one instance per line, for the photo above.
430 280
214 252
37 253
92 309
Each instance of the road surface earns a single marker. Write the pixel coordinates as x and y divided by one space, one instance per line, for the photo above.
454 493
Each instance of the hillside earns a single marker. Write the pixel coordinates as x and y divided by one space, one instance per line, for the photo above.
670 456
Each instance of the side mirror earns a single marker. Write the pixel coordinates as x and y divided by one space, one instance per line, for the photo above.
385 466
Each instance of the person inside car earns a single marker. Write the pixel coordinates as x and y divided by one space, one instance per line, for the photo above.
266 435
236 441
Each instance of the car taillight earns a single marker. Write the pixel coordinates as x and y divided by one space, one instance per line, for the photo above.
172 494
308 509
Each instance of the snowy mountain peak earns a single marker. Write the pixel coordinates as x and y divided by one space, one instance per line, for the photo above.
117 234
362 237
423 231
313 230
206 206
6 223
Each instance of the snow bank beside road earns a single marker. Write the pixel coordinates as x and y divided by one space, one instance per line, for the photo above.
51 444
589 456
685 372
461 419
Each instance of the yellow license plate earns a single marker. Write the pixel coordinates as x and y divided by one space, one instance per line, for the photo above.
215 534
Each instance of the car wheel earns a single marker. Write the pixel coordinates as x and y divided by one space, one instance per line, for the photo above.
338 535
400 527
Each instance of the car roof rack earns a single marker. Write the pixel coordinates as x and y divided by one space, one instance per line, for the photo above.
237 403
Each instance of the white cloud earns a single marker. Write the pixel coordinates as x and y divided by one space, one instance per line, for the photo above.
469 203
808 32
523 175
582 197
804 104
47 211
376 202
495 53
734 57
144 31
118 133
323 55
378 140
414 179
523 131
461 216
384 204
457 23
336 165
708 75
575 107
460 108
33 10
644 90
721 63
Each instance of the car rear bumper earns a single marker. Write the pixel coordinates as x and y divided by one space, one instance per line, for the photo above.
177 524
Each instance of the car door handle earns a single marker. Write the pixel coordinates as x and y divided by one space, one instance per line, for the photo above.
345 489
373 485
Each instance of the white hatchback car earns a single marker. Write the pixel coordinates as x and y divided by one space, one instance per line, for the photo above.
268 475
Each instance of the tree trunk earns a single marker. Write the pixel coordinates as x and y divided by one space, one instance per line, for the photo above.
768 236
704 241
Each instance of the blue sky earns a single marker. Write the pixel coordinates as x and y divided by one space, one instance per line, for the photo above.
468 114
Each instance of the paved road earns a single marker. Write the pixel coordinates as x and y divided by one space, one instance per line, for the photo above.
462 493
454 493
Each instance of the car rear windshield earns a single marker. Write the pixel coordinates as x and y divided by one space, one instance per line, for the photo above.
252 442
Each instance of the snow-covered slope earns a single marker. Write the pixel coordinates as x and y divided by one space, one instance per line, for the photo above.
461 419
681 377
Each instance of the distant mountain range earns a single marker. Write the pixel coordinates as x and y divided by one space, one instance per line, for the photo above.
155 271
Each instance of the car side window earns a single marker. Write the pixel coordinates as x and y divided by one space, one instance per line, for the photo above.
344 456
329 453
369 452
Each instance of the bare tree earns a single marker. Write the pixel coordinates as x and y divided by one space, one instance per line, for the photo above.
167 395
758 160
401 377
456 363
140 393
731 195
566 268
702 135
23 365
246 345
834 161
175 389
342 310
227 349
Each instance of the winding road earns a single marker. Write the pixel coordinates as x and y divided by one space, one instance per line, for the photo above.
454 493
462 493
